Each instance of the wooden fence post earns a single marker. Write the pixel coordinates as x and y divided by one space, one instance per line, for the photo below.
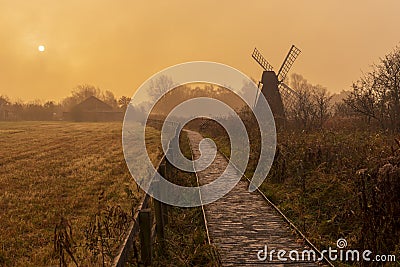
163 170
145 225
159 215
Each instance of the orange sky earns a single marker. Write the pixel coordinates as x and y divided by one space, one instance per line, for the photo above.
116 45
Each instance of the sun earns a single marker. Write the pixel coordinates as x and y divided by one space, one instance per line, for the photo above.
41 48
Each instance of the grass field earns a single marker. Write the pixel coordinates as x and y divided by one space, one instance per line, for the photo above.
54 169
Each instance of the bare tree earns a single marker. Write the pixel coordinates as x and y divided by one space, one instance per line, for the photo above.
109 98
159 86
311 108
82 92
322 100
377 94
303 109
362 99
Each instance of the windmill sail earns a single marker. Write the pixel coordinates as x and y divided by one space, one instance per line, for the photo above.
288 63
261 60
289 96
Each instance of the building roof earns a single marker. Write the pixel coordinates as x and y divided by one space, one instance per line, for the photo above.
92 103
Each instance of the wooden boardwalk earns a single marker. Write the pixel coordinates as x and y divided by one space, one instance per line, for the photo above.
242 223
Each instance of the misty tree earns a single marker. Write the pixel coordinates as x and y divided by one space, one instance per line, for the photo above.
247 91
376 95
4 100
338 106
49 105
123 102
159 86
322 100
109 98
303 110
311 108
82 92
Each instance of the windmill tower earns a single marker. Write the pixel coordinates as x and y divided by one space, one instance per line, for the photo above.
280 96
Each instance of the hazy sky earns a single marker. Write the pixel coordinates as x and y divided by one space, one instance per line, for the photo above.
116 45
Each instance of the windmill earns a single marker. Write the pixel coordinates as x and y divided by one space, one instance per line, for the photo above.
280 96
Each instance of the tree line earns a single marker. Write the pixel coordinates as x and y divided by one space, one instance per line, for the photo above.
373 101
51 110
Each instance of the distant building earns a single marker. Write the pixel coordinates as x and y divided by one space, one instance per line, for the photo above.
93 109
7 113
4 114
